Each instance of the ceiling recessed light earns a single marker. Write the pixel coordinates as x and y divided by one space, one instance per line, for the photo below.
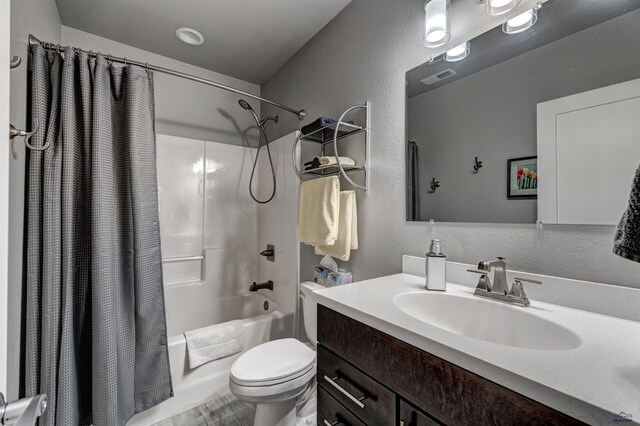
190 36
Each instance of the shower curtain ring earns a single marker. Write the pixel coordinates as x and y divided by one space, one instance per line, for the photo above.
125 61
147 66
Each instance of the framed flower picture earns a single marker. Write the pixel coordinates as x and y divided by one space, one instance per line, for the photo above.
522 180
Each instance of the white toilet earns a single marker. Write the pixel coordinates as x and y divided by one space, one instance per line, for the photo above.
275 374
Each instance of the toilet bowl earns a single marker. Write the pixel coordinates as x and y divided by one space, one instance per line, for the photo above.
275 374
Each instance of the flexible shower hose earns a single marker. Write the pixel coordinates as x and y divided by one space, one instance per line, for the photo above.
255 163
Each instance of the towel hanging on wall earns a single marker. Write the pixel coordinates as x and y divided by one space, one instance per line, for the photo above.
319 208
347 229
627 238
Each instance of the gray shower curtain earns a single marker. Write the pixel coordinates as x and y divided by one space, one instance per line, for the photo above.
95 328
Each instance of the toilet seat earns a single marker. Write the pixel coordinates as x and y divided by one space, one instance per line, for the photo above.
273 363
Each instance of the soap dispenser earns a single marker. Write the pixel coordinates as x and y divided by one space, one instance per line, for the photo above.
436 268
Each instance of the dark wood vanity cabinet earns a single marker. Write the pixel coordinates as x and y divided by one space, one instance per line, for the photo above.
380 380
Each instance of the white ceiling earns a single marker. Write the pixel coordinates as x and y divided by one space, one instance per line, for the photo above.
246 39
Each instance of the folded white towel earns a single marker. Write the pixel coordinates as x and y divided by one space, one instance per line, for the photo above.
214 342
347 230
319 209
328 161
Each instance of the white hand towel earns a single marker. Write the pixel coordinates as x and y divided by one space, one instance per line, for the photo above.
347 229
319 210
214 342
328 161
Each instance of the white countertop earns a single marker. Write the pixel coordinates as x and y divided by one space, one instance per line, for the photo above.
593 382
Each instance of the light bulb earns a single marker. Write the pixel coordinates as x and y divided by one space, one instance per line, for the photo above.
521 22
498 7
457 53
436 23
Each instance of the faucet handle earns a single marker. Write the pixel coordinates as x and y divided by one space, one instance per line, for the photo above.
526 280
517 289
483 283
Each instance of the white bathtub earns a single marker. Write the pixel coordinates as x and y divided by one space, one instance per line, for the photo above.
193 387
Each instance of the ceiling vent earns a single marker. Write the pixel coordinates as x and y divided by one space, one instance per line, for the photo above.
442 75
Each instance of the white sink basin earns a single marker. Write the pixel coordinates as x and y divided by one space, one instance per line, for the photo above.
486 320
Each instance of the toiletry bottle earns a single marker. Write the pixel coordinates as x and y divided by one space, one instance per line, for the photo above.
436 266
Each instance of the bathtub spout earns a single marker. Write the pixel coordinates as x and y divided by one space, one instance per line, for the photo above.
266 285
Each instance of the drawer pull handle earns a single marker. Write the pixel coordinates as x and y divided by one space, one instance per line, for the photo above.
328 423
357 401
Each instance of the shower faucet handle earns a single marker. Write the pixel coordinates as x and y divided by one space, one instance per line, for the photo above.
269 253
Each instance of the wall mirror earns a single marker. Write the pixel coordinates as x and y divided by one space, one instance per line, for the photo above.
543 124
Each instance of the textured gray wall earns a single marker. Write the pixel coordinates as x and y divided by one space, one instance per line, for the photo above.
492 114
363 54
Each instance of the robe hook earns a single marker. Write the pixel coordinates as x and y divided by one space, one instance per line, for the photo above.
13 132
477 165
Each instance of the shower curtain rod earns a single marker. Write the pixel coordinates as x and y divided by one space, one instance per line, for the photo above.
56 47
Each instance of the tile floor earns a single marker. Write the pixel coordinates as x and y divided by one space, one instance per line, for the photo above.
225 410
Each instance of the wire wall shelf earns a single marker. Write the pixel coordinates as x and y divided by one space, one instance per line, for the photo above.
331 134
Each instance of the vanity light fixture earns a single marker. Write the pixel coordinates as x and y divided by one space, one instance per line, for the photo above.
190 36
521 22
458 53
437 28
498 7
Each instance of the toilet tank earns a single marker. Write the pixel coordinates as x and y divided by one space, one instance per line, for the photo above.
310 309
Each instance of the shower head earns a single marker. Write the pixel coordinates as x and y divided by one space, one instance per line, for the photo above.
244 104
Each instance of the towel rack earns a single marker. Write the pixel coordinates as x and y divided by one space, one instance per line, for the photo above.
331 134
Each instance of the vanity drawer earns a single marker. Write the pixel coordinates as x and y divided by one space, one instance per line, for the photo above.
448 393
411 416
331 412
369 400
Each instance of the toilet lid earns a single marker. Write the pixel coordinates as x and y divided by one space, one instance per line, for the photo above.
273 362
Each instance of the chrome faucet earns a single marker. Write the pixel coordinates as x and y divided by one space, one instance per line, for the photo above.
500 289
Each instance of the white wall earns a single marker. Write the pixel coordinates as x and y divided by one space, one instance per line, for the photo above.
363 54
39 17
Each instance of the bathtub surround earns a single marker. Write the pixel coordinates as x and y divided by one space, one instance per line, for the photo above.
206 207
371 65
94 306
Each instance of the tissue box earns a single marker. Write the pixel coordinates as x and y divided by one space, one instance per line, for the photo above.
329 278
